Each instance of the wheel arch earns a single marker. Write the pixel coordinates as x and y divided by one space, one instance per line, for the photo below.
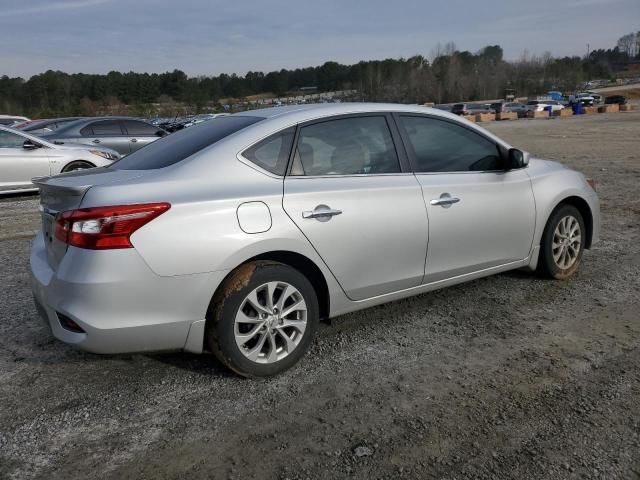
77 160
584 209
300 262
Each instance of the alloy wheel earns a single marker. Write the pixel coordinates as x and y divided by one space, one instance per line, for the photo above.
270 322
566 242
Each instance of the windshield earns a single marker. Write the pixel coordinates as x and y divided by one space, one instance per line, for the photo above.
180 145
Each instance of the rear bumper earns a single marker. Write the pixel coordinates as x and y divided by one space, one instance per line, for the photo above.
119 302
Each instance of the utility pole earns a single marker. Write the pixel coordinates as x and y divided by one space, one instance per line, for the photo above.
588 50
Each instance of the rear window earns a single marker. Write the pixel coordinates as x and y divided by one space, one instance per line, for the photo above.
180 145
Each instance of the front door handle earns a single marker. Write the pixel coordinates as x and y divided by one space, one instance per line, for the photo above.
96 141
134 140
322 213
445 200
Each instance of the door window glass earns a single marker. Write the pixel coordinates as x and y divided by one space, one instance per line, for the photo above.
10 140
272 153
441 146
348 146
141 129
102 128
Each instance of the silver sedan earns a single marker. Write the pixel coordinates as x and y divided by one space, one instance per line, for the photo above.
238 235
24 156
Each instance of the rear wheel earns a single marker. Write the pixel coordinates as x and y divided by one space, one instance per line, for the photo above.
562 243
77 165
263 319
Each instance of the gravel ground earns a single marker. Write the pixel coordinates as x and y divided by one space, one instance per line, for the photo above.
506 377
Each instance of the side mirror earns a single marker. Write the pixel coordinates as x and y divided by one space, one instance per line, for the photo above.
161 133
517 159
30 145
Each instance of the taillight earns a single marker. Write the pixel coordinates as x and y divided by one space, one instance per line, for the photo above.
101 228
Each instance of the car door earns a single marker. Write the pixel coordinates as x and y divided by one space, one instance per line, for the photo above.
140 133
360 209
480 216
106 133
19 165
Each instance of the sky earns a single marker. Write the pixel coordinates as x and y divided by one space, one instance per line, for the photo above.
209 37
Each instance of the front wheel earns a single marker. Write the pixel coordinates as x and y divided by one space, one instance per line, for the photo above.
562 243
263 319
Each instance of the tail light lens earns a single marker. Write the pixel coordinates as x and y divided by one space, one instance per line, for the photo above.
102 228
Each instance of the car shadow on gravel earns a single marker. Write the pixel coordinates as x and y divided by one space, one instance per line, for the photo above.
203 364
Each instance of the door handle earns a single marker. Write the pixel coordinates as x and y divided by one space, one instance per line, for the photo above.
134 140
96 141
445 200
322 213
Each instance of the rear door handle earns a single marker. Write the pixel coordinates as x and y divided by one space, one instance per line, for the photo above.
445 200
96 141
322 213
134 140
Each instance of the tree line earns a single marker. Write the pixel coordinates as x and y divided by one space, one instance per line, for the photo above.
452 75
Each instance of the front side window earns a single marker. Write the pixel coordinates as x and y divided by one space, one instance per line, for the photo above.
10 140
348 146
272 153
441 146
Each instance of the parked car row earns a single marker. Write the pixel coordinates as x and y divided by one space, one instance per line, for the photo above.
178 123
44 147
24 156
534 105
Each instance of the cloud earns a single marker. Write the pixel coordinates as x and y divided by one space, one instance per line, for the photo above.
69 5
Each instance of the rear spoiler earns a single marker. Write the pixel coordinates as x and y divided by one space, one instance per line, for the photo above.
43 183
56 197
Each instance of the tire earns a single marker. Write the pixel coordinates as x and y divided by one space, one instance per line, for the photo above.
77 165
250 337
562 243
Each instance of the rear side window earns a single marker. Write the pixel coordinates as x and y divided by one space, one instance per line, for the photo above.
142 129
441 146
102 128
176 147
272 153
348 146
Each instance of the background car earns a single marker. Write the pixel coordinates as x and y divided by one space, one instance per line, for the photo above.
10 120
615 100
515 107
43 127
24 156
541 105
122 134
471 108
238 235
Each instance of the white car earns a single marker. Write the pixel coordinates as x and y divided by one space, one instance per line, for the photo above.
24 156
10 120
540 105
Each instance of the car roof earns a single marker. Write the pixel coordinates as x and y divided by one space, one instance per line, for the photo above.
310 111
